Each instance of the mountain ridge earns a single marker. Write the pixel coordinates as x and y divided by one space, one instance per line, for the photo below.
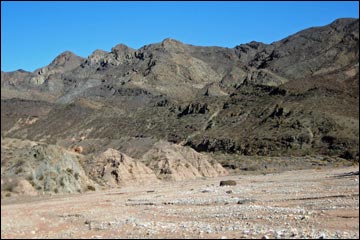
297 96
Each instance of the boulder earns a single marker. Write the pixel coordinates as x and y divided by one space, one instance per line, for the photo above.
228 183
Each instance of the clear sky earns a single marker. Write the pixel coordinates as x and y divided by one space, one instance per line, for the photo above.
34 33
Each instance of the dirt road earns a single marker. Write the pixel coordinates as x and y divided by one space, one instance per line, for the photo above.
321 203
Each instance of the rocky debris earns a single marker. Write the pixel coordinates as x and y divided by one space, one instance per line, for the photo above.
114 168
175 162
228 183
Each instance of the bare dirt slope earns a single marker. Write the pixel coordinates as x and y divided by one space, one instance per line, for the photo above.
318 203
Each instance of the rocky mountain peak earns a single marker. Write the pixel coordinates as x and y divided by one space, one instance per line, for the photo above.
122 52
172 44
170 41
121 47
98 53
66 58
64 62
97 56
21 71
344 22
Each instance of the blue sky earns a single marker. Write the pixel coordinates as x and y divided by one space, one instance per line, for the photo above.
34 33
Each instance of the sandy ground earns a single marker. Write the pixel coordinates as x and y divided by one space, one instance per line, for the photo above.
319 203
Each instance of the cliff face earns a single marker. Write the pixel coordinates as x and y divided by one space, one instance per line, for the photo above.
296 96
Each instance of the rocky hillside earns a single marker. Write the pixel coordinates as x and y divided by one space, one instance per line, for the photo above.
295 97
31 168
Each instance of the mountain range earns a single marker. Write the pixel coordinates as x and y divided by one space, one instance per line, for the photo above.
295 97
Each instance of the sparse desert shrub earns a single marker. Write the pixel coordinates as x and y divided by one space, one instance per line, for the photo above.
91 149
62 183
348 155
252 168
9 184
307 152
32 182
165 171
19 170
91 188
29 178
76 175
7 187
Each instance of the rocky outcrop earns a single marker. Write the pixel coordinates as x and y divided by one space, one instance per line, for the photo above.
113 168
123 54
175 162
65 62
193 108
